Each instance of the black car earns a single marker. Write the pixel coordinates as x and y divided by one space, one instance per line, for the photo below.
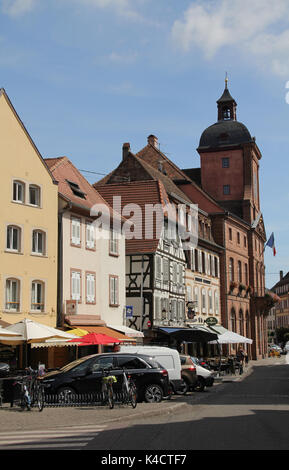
85 376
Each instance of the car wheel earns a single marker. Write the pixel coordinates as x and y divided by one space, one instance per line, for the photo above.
66 393
200 386
153 393
184 388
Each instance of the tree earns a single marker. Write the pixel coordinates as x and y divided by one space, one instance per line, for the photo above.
280 334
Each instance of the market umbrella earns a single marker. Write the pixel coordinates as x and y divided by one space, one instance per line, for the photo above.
95 338
29 331
6 333
230 337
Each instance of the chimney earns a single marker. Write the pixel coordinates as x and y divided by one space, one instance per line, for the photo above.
153 140
125 150
281 275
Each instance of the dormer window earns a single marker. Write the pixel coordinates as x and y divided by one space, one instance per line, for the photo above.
76 189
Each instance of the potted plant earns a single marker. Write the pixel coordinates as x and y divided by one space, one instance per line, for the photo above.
233 286
241 288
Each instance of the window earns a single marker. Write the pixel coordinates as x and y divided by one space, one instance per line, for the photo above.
238 238
37 296
158 267
210 302
230 234
204 304
226 113
38 242
18 191
216 267
196 290
245 240
90 236
34 195
166 271
113 291
102 363
246 273
225 162
216 303
13 238
113 243
76 189
76 285
90 288
75 231
239 271
226 189
12 302
233 320
231 269
130 362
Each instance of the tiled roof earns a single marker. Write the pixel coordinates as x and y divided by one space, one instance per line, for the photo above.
140 193
63 171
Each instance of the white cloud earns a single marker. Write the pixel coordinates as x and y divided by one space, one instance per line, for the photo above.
247 26
126 8
126 58
17 7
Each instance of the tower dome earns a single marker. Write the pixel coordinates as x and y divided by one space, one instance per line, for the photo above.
227 131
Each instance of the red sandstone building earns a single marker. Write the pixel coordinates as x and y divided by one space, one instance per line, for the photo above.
226 189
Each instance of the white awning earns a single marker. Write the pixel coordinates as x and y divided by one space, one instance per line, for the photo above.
229 337
127 331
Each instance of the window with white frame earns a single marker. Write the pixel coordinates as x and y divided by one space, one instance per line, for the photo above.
113 243
13 241
76 285
113 290
37 296
175 273
217 303
75 231
210 301
38 242
34 195
173 309
90 236
158 267
90 288
12 295
196 291
18 191
204 303
166 270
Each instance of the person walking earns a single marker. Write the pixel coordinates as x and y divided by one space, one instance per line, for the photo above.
240 359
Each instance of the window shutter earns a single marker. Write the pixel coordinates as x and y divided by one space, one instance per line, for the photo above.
90 236
90 288
75 232
166 269
75 285
158 267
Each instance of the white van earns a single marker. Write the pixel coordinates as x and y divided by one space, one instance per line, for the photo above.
168 358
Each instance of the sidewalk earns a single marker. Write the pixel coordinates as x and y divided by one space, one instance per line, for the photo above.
15 419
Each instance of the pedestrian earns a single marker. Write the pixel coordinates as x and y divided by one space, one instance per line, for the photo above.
240 358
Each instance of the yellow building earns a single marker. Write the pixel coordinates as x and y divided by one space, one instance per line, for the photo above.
28 225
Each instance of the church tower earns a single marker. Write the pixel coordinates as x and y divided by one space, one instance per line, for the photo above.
230 161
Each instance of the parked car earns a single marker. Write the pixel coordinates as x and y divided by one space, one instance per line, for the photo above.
286 347
189 374
205 377
168 358
4 369
85 375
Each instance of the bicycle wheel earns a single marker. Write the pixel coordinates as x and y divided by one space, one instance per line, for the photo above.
110 398
133 397
40 398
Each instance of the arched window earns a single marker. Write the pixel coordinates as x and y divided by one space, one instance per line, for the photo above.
233 320
13 240
241 323
12 295
231 269
37 296
226 113
34 195
38 242
18 191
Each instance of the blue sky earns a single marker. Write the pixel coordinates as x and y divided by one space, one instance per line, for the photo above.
87 75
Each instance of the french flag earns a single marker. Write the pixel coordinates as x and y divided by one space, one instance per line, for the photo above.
271 243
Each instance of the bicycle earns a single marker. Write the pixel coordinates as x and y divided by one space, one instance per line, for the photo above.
25 398
129 391
37 393
107 388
